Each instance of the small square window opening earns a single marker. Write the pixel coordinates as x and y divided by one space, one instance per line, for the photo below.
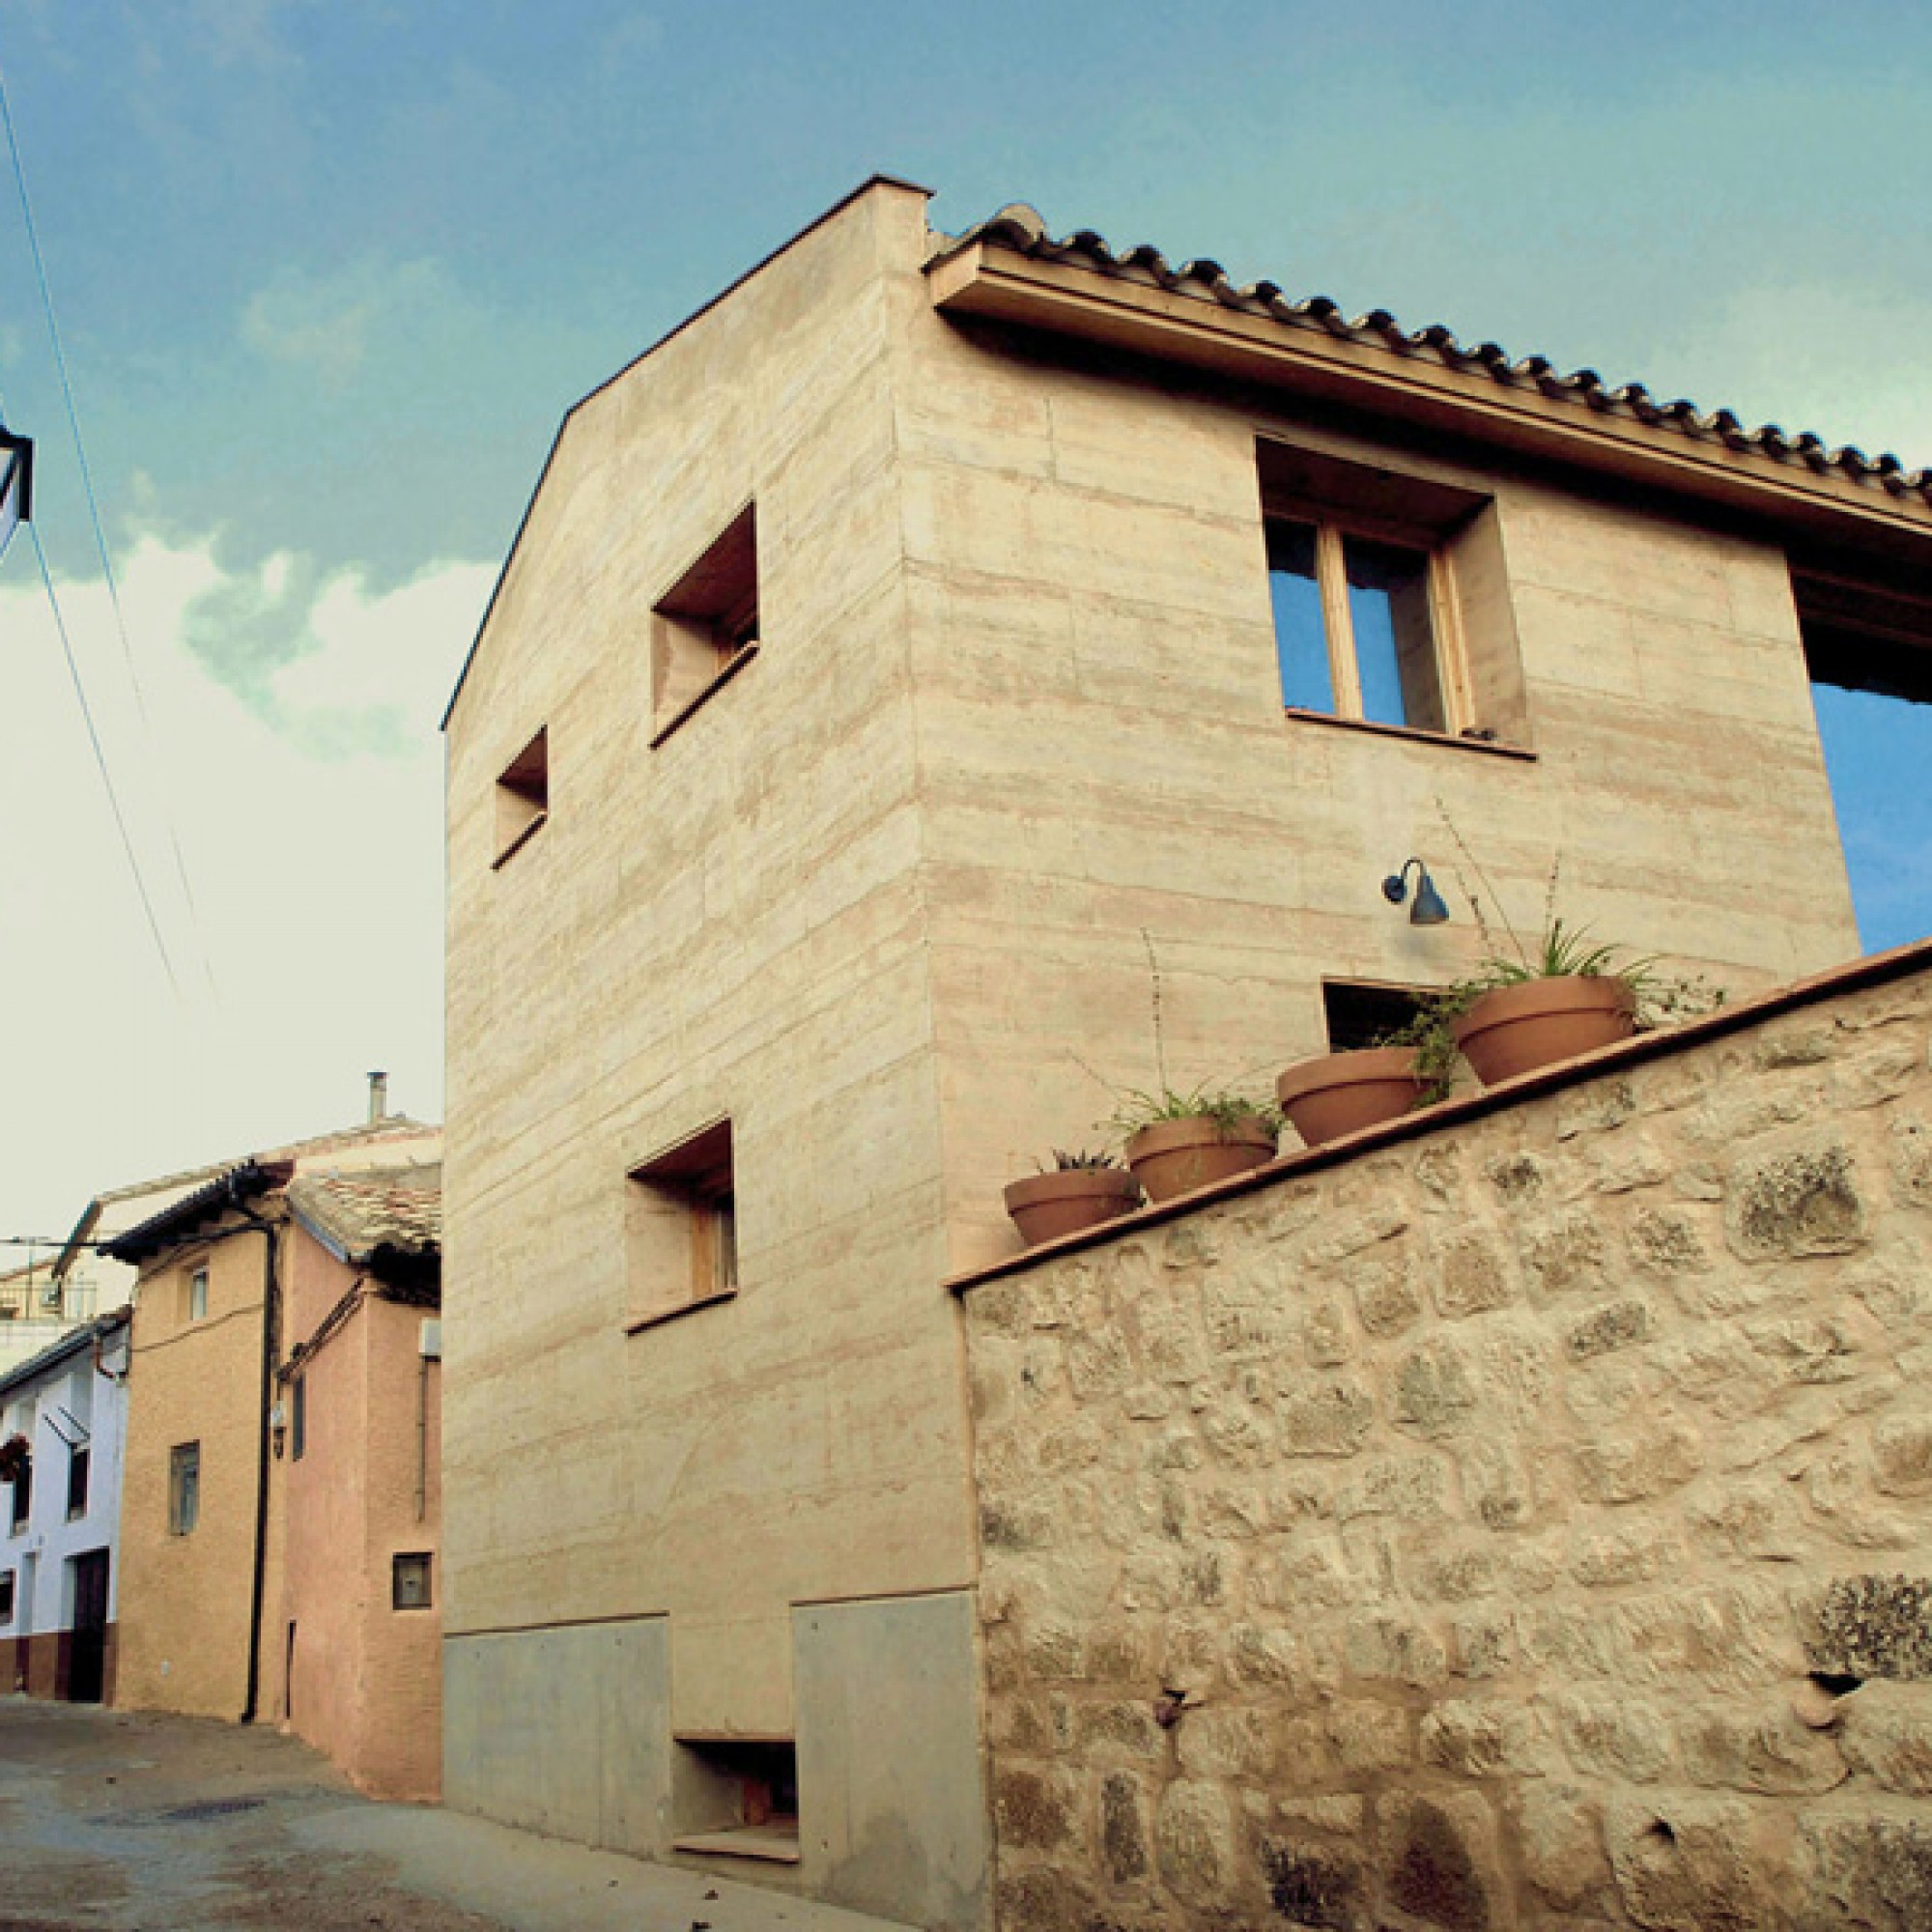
6 1596
706 625
682 1232
197 1295
522 795
410 1580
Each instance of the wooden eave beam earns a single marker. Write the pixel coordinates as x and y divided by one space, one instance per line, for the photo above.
1005 286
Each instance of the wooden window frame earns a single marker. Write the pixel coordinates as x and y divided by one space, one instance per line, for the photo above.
1338 619
705 627
682 1223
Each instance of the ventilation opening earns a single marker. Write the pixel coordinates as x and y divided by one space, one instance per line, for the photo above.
737 1797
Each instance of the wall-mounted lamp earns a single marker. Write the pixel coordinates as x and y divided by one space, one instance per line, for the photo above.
1431 908
16 483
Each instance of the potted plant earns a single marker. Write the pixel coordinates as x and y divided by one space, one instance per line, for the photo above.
16 1456
1179 1142
1567 998
1338 1093
1079 1191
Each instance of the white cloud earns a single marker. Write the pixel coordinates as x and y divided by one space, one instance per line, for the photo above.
315 850
324 322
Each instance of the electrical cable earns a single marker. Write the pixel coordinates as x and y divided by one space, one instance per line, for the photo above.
101 762
100 542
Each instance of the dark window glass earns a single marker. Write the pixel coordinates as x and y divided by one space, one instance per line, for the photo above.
184 1488
23 1495
409 1581
77 1482
298 1418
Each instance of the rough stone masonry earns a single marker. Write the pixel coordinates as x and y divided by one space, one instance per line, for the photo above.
1520 1521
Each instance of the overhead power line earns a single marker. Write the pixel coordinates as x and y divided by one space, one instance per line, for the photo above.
101 762
155 764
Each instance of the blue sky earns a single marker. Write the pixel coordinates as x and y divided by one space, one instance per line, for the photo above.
331 270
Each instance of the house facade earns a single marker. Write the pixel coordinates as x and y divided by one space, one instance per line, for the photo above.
63 1419
204 1525
893 663
357 1428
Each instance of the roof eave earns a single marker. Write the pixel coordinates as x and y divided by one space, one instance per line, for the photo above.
181 1220
983 279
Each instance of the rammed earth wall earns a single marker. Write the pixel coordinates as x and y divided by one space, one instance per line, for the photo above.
1520 1521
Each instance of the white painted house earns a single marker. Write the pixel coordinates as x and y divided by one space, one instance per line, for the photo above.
63 1421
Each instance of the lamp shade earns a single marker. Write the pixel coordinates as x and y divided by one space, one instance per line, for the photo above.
16 484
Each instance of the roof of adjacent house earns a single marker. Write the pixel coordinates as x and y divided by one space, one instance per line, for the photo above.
390 1126
357 1216
1020 228
56 1352
180 1220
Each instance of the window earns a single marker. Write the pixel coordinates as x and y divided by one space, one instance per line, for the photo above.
184 1488
522 795
1358 622
6 1596
1364 1012
298 1418
683 1227
409 1580
736 1795
23 1495
78 1459
705 627
1365 569
197 1295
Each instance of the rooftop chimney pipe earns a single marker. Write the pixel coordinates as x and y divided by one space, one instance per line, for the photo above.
379 1097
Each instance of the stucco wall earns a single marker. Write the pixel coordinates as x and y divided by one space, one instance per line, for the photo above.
43 1593
1496 1517
367 1684
186 1602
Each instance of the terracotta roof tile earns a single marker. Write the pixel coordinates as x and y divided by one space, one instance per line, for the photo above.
1020 228
356 1213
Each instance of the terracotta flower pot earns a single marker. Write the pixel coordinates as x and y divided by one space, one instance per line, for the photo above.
1173 1157
1538 1022
1046 1205
1339 1093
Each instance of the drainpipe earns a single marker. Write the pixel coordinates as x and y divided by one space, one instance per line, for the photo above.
422 1435
259 1586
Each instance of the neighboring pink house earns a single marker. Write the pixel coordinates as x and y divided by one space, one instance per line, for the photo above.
357 1427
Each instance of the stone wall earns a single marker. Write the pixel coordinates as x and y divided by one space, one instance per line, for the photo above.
1520 1521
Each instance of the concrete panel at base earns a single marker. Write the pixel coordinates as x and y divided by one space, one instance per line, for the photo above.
563 1731
892 1796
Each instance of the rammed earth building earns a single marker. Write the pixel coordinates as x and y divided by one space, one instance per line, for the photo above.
888 661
